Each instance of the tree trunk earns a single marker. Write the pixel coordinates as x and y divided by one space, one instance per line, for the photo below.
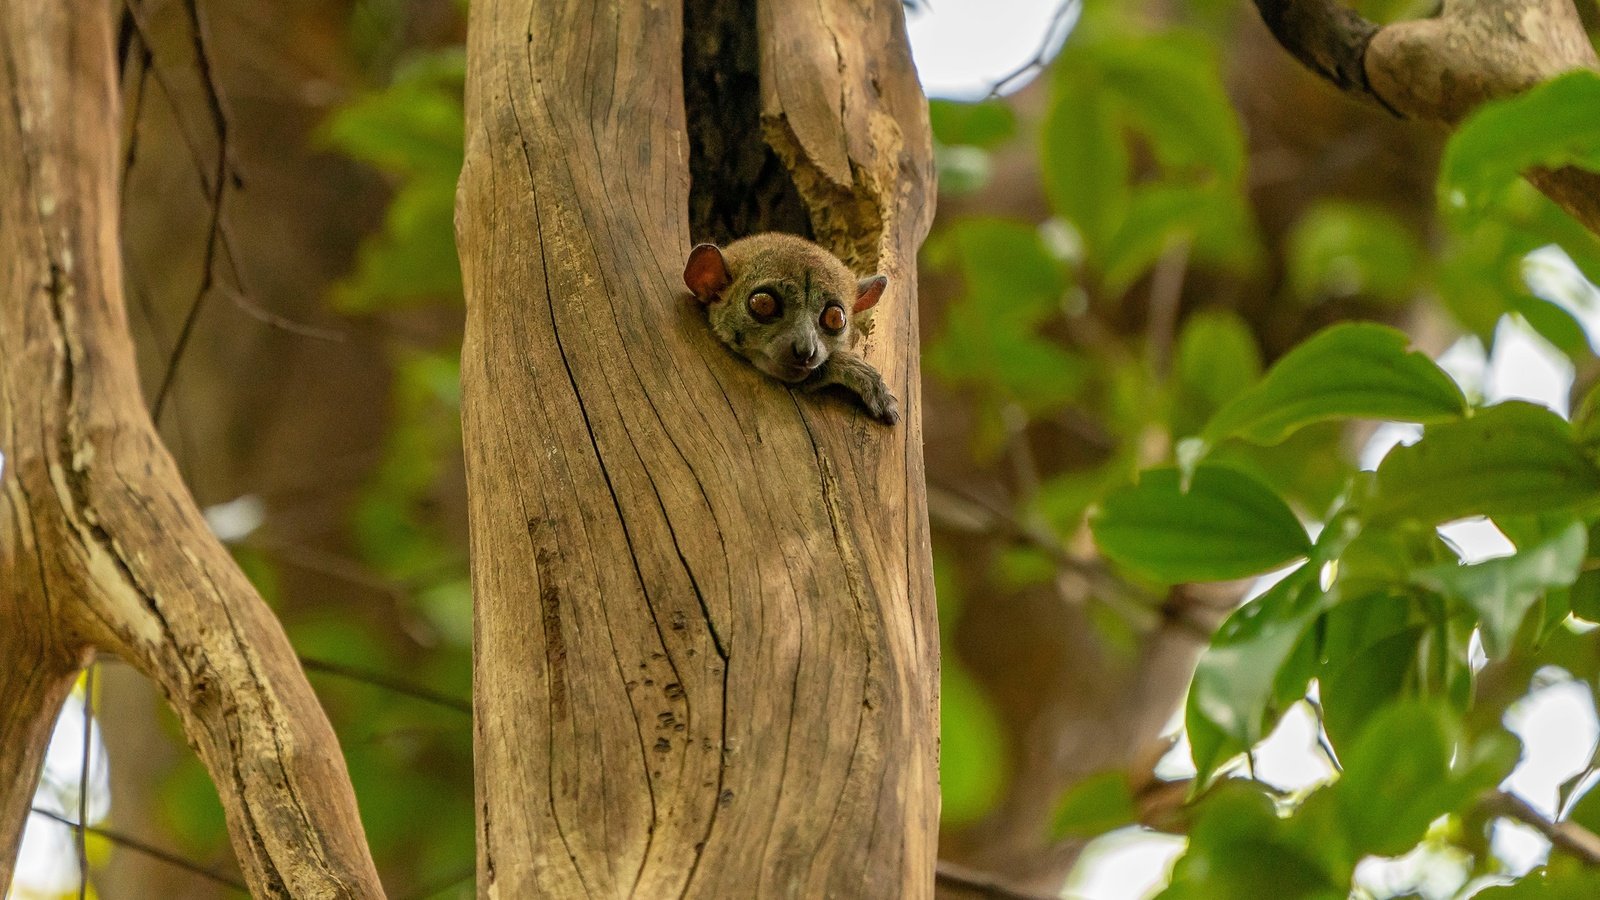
101 545
706 642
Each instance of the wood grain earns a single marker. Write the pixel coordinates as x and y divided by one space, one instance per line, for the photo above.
706 649
101 545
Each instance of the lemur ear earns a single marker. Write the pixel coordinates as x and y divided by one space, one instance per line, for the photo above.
706 273
868 290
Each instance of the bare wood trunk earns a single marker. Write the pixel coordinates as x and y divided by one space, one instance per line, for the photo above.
706 644
100 542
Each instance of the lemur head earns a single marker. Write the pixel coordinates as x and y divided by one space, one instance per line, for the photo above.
780 301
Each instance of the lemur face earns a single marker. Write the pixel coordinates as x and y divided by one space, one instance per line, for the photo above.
779 301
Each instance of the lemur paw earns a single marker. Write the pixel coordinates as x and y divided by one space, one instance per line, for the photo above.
883 407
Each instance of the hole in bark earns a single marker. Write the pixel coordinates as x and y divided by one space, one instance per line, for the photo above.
737 185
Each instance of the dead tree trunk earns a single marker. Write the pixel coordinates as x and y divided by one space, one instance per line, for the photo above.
706 655
101 546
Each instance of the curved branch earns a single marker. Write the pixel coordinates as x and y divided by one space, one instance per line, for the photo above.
1327 37
108 547
1443 68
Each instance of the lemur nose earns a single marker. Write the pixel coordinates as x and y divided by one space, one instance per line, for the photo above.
805 352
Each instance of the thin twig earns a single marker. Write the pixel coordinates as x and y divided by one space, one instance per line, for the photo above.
380 680
212 186
220 177
368 677
1568 836
1047 47
139 846
136 108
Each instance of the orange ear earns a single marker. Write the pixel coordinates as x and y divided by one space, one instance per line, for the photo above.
868 291
706 273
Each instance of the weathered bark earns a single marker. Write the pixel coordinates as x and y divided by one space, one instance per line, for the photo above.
1443 68
100 544
706 647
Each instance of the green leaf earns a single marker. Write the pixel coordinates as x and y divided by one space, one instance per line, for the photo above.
1353 687
1550 125
1234 680
1409 767
1005 265
1514 458
985 124
1226 525
1354 370
1099 803
1170 85
1212 219
1555 324
1217 360
1344 250
1240 848
1084 163
1502 591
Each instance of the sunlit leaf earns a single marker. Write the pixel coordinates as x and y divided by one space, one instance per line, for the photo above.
1356 370
1514 458
1502 591
1234 680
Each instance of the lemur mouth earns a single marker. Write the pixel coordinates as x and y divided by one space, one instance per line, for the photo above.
791 372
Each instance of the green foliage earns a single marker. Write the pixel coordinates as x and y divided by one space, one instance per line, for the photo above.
1217 360
1550 125
1501 591
971 746
1358 370
1233 688
993 342
1095 805
1187 463
1167 89
411 131
1341 250
1223 524
1512 459
987 124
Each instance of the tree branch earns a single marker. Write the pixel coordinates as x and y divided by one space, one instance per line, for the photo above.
1569 836
1441 69
138 846
101 544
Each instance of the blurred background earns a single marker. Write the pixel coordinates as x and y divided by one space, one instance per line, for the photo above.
315 411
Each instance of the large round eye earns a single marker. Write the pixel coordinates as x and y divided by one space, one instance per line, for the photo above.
833 318
763 305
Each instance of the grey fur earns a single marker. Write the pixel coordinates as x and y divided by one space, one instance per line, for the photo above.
793 347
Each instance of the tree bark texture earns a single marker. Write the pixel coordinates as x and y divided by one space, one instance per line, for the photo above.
1441 69
101 546
706 654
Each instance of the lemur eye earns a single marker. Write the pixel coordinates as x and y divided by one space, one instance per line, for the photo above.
763 305
833 318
